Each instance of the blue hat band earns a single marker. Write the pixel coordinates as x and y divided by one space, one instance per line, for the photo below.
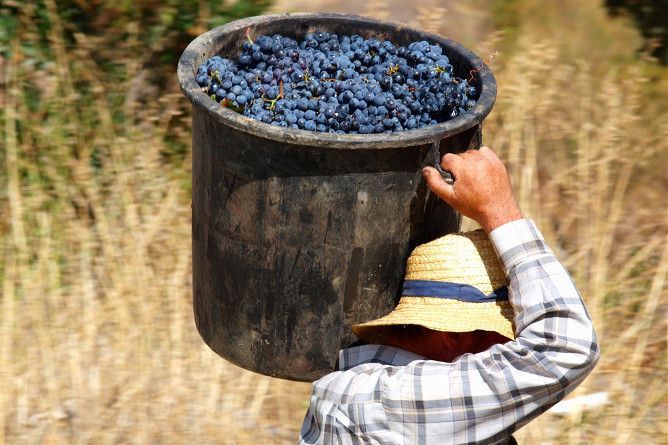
452 291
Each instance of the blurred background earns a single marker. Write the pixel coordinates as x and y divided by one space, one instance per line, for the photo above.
97 339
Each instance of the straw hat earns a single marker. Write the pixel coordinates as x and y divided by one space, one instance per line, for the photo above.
453 284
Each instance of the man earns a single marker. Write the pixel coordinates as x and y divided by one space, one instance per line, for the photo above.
481 341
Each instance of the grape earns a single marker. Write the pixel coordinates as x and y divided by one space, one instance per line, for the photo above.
271 93
338 83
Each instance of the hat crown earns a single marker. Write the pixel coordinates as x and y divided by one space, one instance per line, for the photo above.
463 258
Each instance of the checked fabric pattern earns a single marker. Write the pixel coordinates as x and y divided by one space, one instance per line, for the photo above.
385 395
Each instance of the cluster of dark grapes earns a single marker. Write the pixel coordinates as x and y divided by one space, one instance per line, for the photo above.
338 84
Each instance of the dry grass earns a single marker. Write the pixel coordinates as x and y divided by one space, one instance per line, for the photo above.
97 341
582 169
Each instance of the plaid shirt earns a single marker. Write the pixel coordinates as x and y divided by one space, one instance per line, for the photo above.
385 395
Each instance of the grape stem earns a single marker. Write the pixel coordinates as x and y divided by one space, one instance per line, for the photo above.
228 104
273 101
488 60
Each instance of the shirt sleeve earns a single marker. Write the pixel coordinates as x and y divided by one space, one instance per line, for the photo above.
483 398
389 396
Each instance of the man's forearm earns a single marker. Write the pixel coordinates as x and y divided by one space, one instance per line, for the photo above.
555 335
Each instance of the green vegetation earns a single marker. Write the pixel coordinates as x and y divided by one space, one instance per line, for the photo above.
651 17
161 29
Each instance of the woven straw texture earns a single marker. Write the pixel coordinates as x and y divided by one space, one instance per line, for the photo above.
465 258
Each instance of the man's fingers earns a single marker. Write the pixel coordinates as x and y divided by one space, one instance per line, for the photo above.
437 184
451 163
488 153
471 153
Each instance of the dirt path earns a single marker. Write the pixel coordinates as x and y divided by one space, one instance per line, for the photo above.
465 22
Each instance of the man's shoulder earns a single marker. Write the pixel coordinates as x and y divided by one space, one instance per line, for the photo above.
360 372
375 355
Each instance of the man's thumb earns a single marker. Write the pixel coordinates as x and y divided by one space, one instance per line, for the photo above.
437 184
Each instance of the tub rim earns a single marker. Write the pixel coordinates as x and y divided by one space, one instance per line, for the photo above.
187 68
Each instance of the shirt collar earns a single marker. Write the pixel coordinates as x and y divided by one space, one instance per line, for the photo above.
384 355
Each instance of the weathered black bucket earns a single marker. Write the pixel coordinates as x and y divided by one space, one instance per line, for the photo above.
297 235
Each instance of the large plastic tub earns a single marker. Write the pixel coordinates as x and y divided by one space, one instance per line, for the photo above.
297 235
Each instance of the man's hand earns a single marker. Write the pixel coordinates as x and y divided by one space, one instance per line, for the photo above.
481 189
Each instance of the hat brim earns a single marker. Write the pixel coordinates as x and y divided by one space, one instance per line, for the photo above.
441 314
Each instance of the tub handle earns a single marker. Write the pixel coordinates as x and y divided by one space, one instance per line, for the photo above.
447 176
436 157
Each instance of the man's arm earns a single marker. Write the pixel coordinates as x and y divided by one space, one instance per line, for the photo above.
392 396
481 398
